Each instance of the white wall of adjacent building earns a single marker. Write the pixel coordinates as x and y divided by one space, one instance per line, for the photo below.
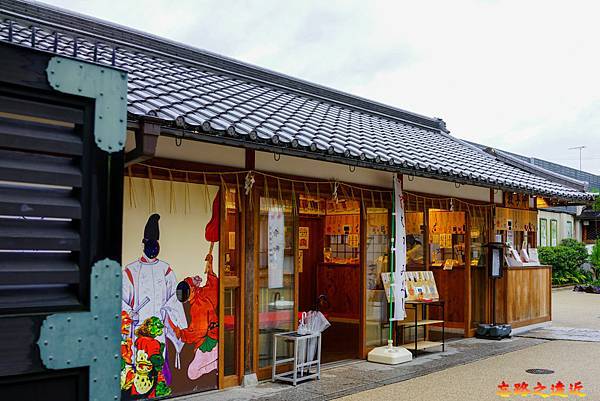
565 227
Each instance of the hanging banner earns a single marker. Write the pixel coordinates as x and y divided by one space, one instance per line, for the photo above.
399 253
276 246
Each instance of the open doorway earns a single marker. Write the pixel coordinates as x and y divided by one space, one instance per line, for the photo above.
329 274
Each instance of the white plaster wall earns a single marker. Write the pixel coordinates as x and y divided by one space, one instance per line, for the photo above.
444 188
562 219
323 170
578 230
234 157
201 152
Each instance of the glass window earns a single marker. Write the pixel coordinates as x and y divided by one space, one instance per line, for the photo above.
231 242
231 298
414 241
569 229
553 232
480 226
478 241
342 233
447 231
378 244
543 232
230 331
275 276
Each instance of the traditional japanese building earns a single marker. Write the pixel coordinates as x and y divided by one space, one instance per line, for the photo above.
246 197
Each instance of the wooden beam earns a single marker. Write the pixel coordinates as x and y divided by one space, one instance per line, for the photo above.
249 295
250 162
146 139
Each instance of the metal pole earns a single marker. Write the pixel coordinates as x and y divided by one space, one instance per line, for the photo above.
391 259
580 150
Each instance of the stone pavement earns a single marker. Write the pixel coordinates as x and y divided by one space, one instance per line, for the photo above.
571 361
358 376
575 309
470 369
575 317
564 333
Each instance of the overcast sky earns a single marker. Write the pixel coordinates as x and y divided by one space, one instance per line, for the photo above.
522 76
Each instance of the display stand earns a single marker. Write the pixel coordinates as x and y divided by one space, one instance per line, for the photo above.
301 364
424 322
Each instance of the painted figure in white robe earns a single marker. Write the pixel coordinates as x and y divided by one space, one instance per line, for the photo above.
149 286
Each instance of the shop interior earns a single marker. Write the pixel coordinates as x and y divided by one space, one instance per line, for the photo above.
448 237
329 270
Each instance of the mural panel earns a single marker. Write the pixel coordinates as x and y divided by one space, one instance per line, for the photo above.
170 323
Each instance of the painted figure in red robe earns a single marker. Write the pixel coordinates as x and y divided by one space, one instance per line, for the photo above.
203 329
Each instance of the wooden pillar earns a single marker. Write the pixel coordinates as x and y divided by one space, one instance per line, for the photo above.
468 282
250 295
490 282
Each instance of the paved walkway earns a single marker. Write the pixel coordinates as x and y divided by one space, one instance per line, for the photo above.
478 381
359 376
573 356
470 369
575 317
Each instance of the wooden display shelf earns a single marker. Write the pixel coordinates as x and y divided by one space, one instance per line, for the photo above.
416 345
421 322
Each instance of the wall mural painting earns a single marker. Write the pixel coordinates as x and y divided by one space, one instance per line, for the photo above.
170 323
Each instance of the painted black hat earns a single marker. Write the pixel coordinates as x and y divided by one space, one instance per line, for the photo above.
151 231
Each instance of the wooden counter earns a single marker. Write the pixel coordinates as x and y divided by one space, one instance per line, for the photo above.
524 295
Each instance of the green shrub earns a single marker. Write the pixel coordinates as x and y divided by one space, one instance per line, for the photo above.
595 259
596 205
566 260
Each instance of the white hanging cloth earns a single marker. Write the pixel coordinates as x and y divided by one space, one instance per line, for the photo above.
276 246
399 253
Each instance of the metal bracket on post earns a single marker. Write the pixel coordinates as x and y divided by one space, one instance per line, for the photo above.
106 85
76 339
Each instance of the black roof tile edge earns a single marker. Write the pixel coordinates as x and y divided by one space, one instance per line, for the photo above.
411 169
589 214
128 37
397 166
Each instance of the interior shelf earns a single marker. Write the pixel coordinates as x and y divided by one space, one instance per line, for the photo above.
421 322
414 325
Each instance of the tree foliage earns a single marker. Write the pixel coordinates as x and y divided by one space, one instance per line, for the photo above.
596 205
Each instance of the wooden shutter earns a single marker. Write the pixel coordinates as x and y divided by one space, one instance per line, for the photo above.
60 211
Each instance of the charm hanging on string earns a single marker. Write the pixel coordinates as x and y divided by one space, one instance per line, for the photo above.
249 183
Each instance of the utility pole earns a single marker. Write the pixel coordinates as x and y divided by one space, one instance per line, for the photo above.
580 149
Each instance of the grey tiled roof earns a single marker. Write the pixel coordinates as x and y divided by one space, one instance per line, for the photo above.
233 102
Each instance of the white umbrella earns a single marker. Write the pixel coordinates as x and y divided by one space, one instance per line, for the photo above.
316 322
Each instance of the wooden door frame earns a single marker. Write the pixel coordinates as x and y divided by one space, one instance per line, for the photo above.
362 302
468 295
231 282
